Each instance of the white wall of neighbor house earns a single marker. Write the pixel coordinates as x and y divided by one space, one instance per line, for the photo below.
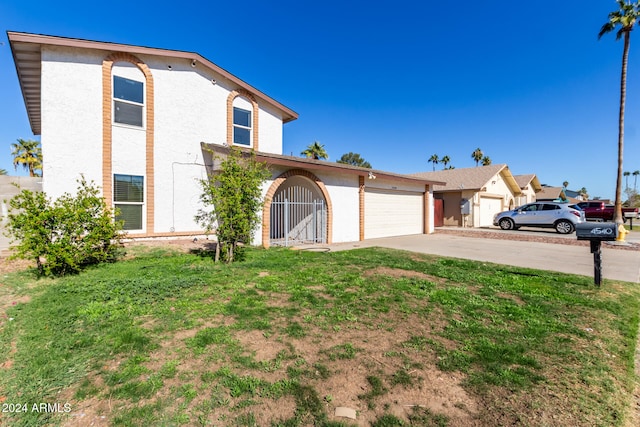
71 99
496 197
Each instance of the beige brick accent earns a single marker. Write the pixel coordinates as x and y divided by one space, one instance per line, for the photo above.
427 210
266 209
254 131
361 206
107 137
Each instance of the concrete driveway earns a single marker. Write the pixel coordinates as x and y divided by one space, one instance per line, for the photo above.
617 264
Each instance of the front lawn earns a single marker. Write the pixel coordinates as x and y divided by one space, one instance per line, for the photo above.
286 337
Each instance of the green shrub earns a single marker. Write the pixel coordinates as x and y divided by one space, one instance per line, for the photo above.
65 235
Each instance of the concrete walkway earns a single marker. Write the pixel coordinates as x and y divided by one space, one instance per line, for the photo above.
617 264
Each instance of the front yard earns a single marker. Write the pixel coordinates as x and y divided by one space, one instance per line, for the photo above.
286 337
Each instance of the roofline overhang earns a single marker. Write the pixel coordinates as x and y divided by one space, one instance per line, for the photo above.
320 165
36 41
510 180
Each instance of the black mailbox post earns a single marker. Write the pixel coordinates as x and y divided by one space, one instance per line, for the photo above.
597 233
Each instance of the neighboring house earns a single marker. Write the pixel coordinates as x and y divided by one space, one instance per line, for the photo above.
472 196
529 186
549 194
139 122
9 187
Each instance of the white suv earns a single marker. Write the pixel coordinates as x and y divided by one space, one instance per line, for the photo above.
541 214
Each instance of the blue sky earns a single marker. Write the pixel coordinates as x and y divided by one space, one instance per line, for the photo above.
527 82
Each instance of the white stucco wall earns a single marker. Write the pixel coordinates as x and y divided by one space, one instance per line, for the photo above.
344 192
190 106
71 119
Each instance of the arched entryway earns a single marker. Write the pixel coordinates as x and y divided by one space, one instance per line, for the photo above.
297 211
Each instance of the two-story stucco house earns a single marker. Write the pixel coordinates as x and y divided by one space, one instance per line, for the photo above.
140 122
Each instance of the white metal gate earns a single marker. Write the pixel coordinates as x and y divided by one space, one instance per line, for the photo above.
298 216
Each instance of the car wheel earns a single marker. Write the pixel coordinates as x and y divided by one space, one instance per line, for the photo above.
506 224
564 227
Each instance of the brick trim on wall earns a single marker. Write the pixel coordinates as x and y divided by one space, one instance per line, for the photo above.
107 135
266 209
254 131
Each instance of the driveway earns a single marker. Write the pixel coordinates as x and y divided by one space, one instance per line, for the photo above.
617 264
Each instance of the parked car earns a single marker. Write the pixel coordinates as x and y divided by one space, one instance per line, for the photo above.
560 216
600 211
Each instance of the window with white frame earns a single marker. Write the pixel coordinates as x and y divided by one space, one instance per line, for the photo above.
128 198
241 126
128 101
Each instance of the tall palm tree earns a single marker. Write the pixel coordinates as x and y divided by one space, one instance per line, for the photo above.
28 154
626 175
445 161
635 179
477 155
435 160
623 19
486 161
315 151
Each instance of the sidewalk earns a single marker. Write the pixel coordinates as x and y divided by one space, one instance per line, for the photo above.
617 264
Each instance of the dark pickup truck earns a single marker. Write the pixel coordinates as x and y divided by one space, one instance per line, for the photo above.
600 211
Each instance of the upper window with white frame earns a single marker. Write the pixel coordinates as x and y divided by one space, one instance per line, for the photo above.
242 127
128 101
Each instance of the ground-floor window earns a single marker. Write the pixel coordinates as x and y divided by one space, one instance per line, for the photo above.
128 198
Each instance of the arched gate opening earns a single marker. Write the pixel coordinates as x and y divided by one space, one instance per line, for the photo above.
298 213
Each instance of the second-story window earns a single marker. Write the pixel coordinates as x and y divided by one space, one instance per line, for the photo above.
241 126
128 101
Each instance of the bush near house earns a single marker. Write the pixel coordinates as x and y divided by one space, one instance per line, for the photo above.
65 235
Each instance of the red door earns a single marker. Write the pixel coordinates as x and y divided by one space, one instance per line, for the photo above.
438 212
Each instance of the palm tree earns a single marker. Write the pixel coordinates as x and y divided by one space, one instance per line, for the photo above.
445 161
28 154
354 159
486 161
315 151
3 172
477 155
635 179
626 175
565 184
435 160
625 18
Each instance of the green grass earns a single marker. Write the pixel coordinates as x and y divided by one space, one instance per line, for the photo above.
173 339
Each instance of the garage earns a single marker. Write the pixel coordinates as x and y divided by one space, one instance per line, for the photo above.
489 206
392 213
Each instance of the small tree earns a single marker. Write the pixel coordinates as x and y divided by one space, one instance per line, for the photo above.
65 235
486 161
315 151
232 197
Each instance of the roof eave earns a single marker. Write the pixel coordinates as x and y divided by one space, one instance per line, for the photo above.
320 165
31 88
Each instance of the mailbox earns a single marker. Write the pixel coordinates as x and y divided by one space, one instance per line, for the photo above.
598 231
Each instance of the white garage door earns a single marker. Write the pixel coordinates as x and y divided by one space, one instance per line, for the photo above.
488 208
392 213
